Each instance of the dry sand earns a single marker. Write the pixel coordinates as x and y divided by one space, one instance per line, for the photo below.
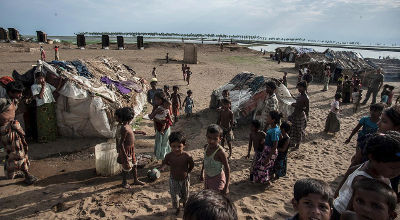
69 188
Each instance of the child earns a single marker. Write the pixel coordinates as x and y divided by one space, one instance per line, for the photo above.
154 73
188 74
264 167
166 91
125 142
42 54
225 120
256 141
188 103
225 95
215 170
167 58
176 102
391 93
163 116
184 72
152 92
283 146
210 205
369 125
385 94
356 96
56 53
181 164
347 86
299 116
339 88
384 163
332 123
284 79
372 199
312 200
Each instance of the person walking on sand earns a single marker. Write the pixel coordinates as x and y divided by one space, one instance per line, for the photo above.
154 72
375 84
56 53
42 54
299 116
327 77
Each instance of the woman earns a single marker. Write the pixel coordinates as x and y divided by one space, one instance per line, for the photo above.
161 145
270 104
46 109
299 115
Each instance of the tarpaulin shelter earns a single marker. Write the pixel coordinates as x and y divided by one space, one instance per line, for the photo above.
345 62
91 93
246 91
289 54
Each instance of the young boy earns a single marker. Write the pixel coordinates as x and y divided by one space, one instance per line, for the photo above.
225 120
215 170
154 73
283 146
176 102
184 72
125 142
225 95
188 103
181 164
312 200
256 141
152 92
188 75
332 123
356 96
372 199
56 53
347 86
210 205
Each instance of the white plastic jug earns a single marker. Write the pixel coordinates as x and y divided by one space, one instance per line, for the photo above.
106 159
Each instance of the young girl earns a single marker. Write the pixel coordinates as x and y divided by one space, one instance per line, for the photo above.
166 91
46 109
264 167
216 169
299 116
125 142
188 75
188 103
384 163
283 146
161 145
332 123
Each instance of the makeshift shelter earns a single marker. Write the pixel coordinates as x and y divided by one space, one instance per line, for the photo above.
345 62
246 91
80 41
289 54
120 42
105 41
391 68
41 36
94 89
3 34
139 42
13 34
190 54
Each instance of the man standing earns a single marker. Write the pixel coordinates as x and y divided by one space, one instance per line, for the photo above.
13 136
327 77
374 86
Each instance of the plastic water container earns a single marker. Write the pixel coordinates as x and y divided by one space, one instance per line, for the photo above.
106 159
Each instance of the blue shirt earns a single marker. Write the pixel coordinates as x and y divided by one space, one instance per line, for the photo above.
272 135
368 127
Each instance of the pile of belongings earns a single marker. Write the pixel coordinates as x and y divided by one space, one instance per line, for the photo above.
91 91
247 91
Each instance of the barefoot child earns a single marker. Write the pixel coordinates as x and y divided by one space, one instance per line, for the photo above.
188 103
383 164
332 123
184 72
312 200
181 164
256 141
225 120
176 102
372 199
125 142
264 167
299 116
215 170
188 75
283 146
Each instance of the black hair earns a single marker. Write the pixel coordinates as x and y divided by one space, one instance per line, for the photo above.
377 107
256 124
166 86
271 85
177 136
226 101
40 74
214 129
304 187
346 76
189 92
391 88
15 86
302 84
225 90
286 126
162 96
125 114
175 87
276 116
384 147
377 186
338 96
210 205
394 114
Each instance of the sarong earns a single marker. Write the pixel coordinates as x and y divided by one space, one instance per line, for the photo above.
263 169
332 123
299 124
256 157
46 122
281 164
179 188
16 149
161 144
216 183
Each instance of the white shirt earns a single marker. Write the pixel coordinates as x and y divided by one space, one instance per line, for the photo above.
47 95
335 106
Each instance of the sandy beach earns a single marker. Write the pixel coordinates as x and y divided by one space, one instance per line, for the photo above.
70 189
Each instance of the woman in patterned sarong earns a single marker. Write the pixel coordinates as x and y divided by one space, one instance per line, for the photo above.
299 116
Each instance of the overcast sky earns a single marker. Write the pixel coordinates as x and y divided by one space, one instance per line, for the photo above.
366 21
